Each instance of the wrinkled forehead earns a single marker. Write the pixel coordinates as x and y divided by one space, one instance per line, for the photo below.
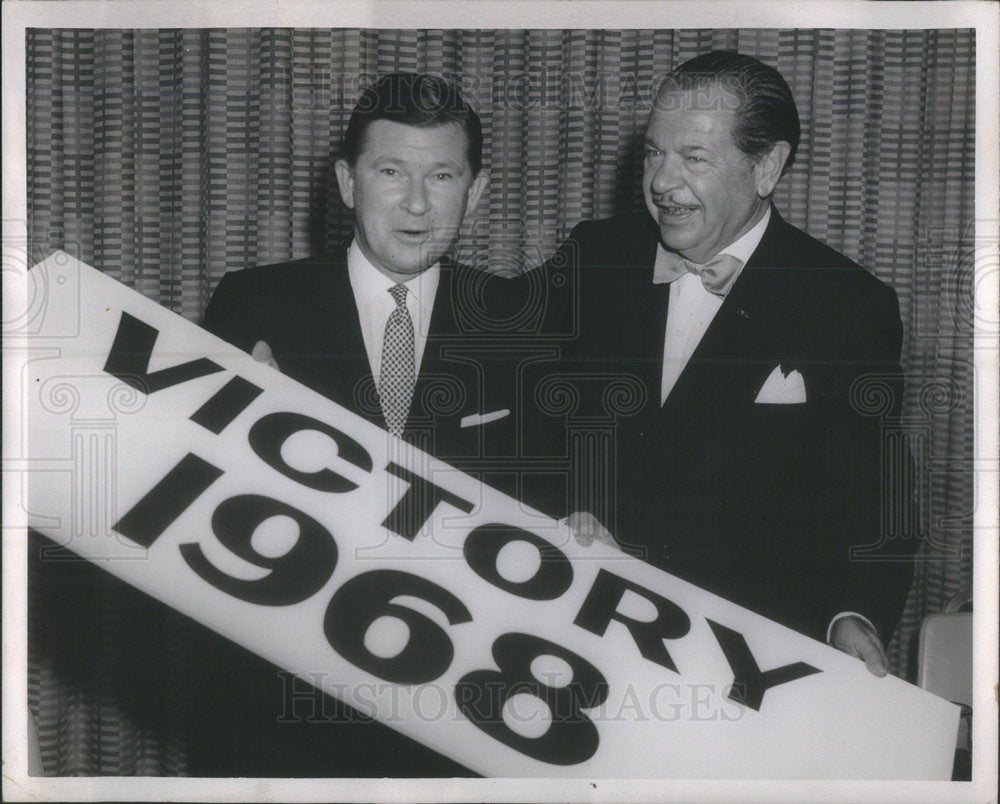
705 116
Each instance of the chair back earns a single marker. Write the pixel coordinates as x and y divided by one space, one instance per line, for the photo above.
944 658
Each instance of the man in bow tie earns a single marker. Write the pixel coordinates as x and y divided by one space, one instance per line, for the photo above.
754 469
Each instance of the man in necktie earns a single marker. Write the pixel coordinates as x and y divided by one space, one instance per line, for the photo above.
355 324
393 329
769 363
399 373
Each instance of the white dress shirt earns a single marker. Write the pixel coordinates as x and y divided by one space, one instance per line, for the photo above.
691 308
375 304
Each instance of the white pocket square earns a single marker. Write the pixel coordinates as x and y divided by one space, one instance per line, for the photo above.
782 389
477 419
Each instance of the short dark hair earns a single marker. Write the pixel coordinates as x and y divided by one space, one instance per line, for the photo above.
767 112
413 99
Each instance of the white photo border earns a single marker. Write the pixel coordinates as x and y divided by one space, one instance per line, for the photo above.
983 16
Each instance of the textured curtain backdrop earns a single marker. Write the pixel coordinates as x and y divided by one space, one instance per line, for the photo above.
166 158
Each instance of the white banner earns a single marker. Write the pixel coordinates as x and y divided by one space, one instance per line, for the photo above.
409 590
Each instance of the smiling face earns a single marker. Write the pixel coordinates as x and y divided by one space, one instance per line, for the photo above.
410 188
703 192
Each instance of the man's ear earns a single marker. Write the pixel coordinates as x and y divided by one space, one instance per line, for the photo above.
345 180
476 190
768 169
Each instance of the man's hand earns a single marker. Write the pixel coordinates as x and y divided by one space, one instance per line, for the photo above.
587 529
857 638
262 354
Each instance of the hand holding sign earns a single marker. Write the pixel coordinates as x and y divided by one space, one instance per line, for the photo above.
857 638
588 529
262 354
552 658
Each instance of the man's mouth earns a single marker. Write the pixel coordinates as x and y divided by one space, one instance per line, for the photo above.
674 212
413 235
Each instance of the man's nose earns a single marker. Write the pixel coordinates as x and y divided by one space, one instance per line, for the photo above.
666 177
415 201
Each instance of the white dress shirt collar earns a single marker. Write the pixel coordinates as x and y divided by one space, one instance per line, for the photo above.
375 304
742 248
745 246
370 284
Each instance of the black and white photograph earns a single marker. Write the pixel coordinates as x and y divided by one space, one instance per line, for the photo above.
556 401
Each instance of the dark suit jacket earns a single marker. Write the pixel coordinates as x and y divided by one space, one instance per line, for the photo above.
759 503
482 328
305 311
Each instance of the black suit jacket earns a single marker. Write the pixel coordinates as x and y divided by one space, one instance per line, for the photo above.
482 328
305 311
759 503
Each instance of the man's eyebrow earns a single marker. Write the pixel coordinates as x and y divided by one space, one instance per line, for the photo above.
448 164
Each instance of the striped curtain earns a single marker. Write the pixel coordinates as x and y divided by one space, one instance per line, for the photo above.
169 157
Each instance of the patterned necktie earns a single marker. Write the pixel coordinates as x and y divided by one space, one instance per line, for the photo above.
399 375
717 275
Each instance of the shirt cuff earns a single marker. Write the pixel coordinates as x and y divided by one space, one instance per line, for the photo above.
841 616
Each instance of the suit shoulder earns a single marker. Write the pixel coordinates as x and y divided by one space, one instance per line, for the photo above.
532 302
622 241
480 294
623 228
268 293
827 270
287 275
822 255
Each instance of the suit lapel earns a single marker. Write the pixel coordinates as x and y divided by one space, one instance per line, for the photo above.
741 342
651 325
350 370
636 335
442 326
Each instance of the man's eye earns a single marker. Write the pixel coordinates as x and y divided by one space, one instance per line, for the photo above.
442 176
652 153
388 171
695 160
